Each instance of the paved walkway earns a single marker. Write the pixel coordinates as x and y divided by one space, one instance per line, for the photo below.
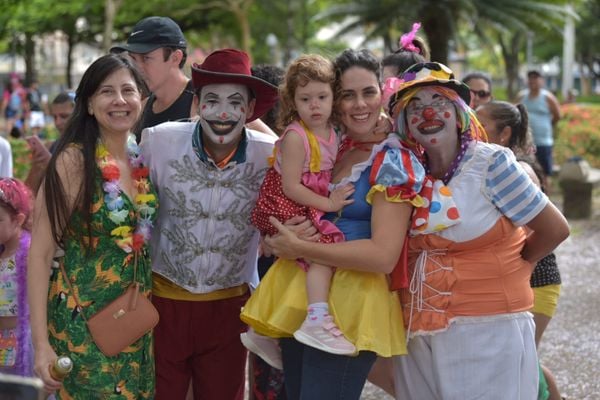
571 344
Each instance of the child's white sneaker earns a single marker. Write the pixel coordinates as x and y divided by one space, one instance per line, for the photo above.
265 347
326 337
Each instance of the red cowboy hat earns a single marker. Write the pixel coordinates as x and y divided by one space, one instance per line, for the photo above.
233 66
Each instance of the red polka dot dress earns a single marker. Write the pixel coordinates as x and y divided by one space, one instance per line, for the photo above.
272 201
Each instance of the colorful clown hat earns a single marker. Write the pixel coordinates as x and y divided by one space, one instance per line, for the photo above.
430 74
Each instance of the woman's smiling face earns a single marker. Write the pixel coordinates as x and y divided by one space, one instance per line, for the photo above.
117 103
431 119
360 101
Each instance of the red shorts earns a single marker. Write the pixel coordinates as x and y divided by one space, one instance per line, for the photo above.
200 340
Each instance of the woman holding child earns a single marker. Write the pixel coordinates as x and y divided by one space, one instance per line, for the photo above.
386 178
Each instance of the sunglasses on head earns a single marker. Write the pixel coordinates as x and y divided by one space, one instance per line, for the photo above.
482 94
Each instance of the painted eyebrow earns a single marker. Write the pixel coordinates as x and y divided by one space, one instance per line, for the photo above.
214 95
435 96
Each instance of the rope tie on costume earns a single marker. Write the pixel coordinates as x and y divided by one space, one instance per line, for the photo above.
418 282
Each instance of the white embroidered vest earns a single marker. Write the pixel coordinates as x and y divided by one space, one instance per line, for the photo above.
203 240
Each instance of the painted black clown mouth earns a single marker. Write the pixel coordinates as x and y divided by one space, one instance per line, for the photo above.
222 128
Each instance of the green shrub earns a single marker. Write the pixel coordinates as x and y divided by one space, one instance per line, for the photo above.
579 133
21 157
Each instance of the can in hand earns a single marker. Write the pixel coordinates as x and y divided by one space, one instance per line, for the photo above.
61 367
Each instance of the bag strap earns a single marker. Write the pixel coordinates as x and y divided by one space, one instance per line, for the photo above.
68 281
134 282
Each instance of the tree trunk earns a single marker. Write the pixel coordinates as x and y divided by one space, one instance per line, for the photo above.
439 32
584 82
110 12
240 9
30 72
70 45
289 41
388 45
510 55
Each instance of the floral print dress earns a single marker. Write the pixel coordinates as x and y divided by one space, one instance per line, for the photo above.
98 278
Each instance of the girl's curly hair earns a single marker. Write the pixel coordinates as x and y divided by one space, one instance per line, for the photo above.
306 68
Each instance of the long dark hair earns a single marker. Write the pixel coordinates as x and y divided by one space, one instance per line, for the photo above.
82 131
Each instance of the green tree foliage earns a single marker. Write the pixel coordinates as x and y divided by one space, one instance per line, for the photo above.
389 18
588 35
37 17
508 23
497 22
293 24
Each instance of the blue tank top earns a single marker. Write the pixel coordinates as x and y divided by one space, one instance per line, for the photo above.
354 220
540 118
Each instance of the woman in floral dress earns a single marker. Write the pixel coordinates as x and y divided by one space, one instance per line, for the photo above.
97 205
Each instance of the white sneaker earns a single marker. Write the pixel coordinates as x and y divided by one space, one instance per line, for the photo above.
326 337
265 347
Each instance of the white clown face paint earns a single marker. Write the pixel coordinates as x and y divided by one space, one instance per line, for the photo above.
431 120
223 111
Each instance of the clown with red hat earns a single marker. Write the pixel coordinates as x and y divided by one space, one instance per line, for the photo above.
204 249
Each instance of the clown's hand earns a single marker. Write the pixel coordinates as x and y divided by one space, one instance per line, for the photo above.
303 228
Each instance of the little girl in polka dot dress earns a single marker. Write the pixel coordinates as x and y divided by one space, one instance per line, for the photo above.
298 184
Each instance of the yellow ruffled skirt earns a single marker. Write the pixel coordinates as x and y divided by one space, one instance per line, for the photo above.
368 314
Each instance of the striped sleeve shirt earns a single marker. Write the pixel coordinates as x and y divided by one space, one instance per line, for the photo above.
511 190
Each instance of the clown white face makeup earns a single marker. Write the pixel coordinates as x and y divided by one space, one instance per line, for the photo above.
223 111
431 120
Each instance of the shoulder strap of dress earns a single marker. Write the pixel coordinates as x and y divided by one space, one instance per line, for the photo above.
305 134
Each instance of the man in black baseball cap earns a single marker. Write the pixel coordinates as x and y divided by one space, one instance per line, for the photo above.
152 33
158 48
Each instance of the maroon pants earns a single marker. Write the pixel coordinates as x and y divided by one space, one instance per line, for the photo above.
200 340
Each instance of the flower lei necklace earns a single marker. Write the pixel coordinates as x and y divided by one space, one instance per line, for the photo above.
128 238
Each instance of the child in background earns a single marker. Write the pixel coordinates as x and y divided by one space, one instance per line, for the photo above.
15 340
297 184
